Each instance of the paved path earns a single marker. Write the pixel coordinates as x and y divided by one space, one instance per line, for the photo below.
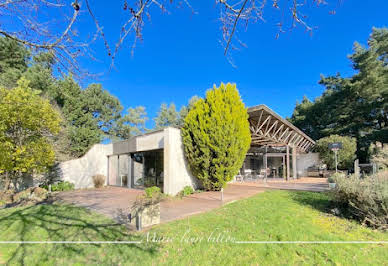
303 184
114 201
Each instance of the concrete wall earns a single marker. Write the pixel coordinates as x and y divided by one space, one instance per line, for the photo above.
176 171
304 161
80 171
150 141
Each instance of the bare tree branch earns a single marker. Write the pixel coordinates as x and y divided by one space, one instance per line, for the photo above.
52 25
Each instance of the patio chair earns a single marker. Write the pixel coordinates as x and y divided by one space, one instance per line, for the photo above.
248 177
262 173
255 176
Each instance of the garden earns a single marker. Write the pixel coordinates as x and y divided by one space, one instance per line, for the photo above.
209 238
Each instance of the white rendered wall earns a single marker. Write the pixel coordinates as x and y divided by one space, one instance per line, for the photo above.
176 170
80 171
306 160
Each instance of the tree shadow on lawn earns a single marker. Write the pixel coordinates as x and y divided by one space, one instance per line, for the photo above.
317 200
59 222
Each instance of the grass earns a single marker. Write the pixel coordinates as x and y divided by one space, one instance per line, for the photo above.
202 239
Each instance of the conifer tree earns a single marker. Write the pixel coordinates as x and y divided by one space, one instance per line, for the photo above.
216 136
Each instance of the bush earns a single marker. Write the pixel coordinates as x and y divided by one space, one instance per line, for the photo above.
335 176
216 136
152 192
346 155
99 181
187 190
60 186
29 196
6 196
366 199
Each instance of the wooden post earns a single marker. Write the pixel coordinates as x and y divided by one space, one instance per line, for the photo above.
265 164
288 162
284 167
356 168
294 170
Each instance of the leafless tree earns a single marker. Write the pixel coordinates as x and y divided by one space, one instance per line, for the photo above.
53 25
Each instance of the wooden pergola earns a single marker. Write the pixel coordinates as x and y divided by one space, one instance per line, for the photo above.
270 129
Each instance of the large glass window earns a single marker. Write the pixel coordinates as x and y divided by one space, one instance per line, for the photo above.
148 169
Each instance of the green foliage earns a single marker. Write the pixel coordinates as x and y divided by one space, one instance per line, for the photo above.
131 124
91 114
152 192
13 62
216 136
355 106
346 155
167 116
333 177
186 109
60 186
40 75
186 191
26 121
366 199
380 155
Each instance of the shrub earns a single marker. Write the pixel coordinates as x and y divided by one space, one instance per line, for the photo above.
6 196
60 186
346 155
366 199
216 136
24 127
99 181
187 190
335 176
152 192
30 195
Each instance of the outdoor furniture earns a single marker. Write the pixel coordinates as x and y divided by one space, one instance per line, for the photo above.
239 178
261 173
248 177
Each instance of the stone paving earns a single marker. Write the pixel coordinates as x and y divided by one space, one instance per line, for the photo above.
113 201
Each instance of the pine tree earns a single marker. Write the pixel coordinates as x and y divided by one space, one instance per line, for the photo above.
167 116
131 124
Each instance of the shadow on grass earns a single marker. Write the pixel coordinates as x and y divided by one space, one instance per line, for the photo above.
317 200
59 222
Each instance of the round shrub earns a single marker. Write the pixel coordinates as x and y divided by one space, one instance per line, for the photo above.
216 136
98 181
187 190
152 192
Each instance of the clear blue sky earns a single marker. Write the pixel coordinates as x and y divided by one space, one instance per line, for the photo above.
180 56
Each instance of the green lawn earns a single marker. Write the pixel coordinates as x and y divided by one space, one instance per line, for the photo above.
202 239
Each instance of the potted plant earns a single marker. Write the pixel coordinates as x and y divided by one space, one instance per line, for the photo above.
146 209
332 179
331 182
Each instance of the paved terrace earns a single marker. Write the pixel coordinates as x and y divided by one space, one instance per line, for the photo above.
112 201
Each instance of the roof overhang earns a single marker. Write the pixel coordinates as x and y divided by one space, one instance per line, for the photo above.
269 128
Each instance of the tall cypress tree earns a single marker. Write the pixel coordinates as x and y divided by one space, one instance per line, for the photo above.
216 136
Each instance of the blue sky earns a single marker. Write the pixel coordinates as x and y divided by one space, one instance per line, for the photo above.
180 56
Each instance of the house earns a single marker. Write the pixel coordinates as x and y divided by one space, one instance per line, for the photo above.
278 150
